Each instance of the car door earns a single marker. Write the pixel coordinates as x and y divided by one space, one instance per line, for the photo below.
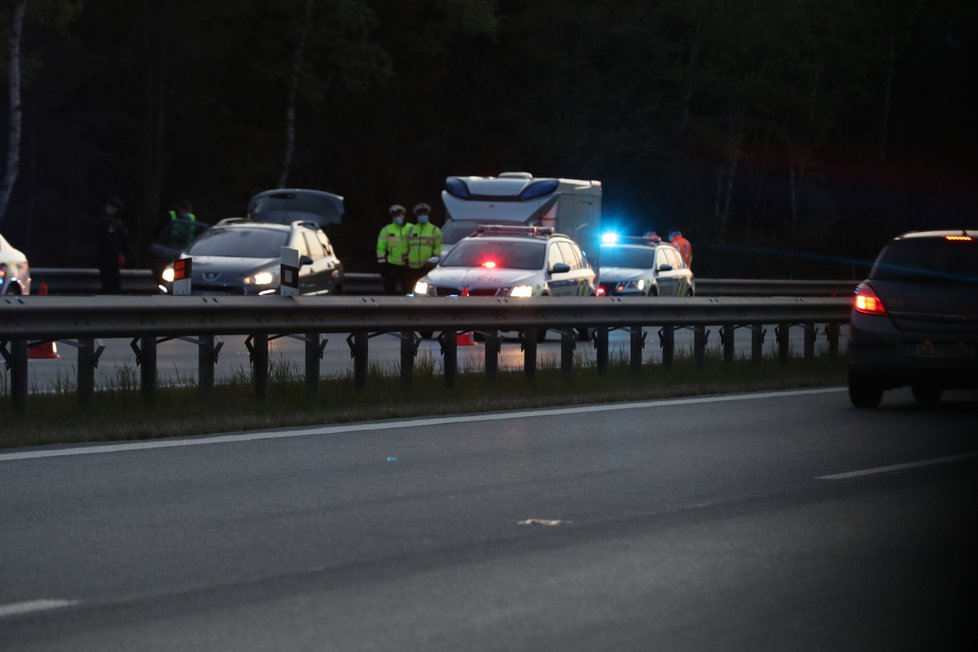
559 284
582 273
320 271
665 273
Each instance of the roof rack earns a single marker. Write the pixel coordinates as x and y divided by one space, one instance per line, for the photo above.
506 229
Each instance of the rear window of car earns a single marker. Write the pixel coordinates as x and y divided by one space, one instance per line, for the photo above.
504 255
244 243
928 261
626 257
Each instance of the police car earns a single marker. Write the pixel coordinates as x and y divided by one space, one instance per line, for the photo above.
511 261
632 266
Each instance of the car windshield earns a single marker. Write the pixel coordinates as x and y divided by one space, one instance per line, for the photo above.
240 242
627 257
928 261
504 254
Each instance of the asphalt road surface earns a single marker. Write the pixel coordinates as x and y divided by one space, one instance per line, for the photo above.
775 521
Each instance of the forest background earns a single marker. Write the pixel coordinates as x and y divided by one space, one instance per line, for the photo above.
786 138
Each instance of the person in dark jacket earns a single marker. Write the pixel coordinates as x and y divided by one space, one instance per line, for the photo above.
113 246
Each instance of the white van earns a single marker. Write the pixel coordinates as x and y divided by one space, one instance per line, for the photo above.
569 206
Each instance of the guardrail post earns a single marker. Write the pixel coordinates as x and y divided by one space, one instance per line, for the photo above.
699 345
728 340
449 349
407 357
568 341
756 343
667 340
259 363
492 355
314 353
832 332
530 338
360 353
147 363
783 335
87 360
17 362
636 344
601 344
809 340
205 367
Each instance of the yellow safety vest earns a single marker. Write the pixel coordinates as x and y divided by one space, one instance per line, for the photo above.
392 243
424 241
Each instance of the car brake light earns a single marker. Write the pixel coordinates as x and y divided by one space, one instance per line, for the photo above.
867 301
959 238
489 264
601 292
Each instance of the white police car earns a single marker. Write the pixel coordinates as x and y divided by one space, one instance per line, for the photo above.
633 266
511 261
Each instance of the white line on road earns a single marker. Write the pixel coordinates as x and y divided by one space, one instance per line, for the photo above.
21 608
898 467
375 426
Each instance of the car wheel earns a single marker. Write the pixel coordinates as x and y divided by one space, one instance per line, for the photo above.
926 393
864 391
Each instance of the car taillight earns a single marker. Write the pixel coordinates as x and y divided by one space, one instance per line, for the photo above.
867 301
602 291
959 238
489 264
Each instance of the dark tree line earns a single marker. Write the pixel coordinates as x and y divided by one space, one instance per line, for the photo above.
760 127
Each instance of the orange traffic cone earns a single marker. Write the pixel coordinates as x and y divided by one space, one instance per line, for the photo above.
465 339
44 350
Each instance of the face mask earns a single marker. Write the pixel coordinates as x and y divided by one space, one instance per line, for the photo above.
422 219
399 220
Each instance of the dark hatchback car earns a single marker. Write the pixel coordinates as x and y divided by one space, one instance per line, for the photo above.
238 256
915 319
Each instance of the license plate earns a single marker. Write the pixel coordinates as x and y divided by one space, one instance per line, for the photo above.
945 351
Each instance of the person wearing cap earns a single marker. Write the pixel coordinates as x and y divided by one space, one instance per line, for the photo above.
113 246
683 245
392 251
423 242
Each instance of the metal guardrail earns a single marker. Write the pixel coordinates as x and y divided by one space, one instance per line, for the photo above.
140 281
29 321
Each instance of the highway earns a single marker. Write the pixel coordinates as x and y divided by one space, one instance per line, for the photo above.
177 359
766 521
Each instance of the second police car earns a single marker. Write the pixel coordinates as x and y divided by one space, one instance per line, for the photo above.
511 261
640 266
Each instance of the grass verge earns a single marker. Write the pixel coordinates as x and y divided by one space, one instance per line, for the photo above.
120 413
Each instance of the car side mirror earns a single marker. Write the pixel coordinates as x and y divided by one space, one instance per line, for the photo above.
433 260
560 268
665 267
305 260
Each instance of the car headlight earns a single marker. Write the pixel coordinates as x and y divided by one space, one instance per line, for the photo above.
421 288
522 291
261 278
168 274
638 285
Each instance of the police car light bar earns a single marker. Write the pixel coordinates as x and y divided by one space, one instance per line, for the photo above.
514 229
614 238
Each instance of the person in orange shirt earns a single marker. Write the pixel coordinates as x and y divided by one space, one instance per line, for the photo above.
683 245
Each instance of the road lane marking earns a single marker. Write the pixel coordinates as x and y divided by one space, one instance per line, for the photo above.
376 426
33 606
898 467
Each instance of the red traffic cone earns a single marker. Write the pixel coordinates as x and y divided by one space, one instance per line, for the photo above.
44 350
464 339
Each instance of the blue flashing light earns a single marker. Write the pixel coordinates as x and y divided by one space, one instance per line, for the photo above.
539 188
609 237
